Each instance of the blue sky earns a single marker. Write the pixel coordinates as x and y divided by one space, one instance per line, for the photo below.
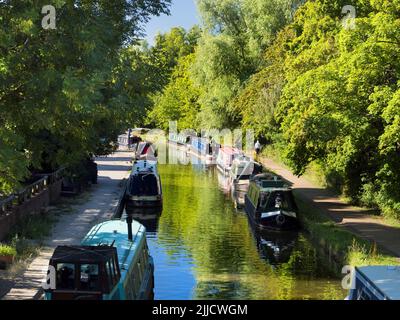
183 13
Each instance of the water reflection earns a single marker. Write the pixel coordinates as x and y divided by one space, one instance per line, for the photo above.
149 217
275 247
204 249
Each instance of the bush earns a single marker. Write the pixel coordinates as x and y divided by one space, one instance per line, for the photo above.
7 251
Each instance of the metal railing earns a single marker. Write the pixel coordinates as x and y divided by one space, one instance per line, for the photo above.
30 191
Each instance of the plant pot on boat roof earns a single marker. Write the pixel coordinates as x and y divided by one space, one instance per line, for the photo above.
7 255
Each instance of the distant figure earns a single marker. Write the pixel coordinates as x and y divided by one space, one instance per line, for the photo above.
129 138
257 147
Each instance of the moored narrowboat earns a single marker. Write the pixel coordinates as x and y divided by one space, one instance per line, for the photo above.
270 204
225 158
146 151
203 148
375 283
112 263
179 139
144 186
244 168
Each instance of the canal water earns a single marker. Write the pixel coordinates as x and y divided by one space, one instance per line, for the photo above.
203 248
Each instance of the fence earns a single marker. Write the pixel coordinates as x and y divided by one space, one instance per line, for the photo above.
30 200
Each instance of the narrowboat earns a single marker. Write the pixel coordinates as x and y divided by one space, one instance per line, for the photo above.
238 193
179 139
112 263
375 283
270 204
144 188
243 168
203 148
224 183
225 158
146 151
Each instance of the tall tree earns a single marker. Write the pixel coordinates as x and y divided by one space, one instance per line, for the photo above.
57 87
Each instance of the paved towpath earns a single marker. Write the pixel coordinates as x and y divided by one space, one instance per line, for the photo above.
356 220
71 228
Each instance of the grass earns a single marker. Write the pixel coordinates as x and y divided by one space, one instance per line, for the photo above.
27 237
346 246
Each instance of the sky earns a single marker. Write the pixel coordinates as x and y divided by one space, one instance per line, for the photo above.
183 13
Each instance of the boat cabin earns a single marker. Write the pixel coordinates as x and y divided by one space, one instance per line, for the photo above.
180 139
112 263
85 273
376 283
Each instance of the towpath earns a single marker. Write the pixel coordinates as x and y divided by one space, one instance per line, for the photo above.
356 220
71 228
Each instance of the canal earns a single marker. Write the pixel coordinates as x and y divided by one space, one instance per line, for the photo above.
204 248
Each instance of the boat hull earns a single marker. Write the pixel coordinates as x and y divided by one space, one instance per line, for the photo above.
134 204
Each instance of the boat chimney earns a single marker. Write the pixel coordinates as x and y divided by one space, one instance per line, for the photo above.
129 221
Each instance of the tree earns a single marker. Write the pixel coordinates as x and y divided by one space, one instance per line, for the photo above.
179 100
59 98
231 50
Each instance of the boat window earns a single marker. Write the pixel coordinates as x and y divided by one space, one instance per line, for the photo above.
111 274
144 185
65 276
283 200
89 277
117 271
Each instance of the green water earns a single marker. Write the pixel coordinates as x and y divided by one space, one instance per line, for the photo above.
204 248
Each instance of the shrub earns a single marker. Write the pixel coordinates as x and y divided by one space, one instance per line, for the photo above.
7 251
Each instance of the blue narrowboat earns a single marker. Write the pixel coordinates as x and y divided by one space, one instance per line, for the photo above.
112 263
376 283
270 204
202 147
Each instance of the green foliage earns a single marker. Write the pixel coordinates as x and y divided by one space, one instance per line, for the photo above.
341 107
169 48
179 100
62 94
231 50
7 251
320 93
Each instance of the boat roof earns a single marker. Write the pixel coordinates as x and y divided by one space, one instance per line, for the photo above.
116 231
243 160
229 150
272 185
83 254
384 278
144 166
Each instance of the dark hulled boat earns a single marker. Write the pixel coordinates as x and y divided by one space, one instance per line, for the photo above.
270 204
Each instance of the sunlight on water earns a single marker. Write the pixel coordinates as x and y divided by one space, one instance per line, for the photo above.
204 248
